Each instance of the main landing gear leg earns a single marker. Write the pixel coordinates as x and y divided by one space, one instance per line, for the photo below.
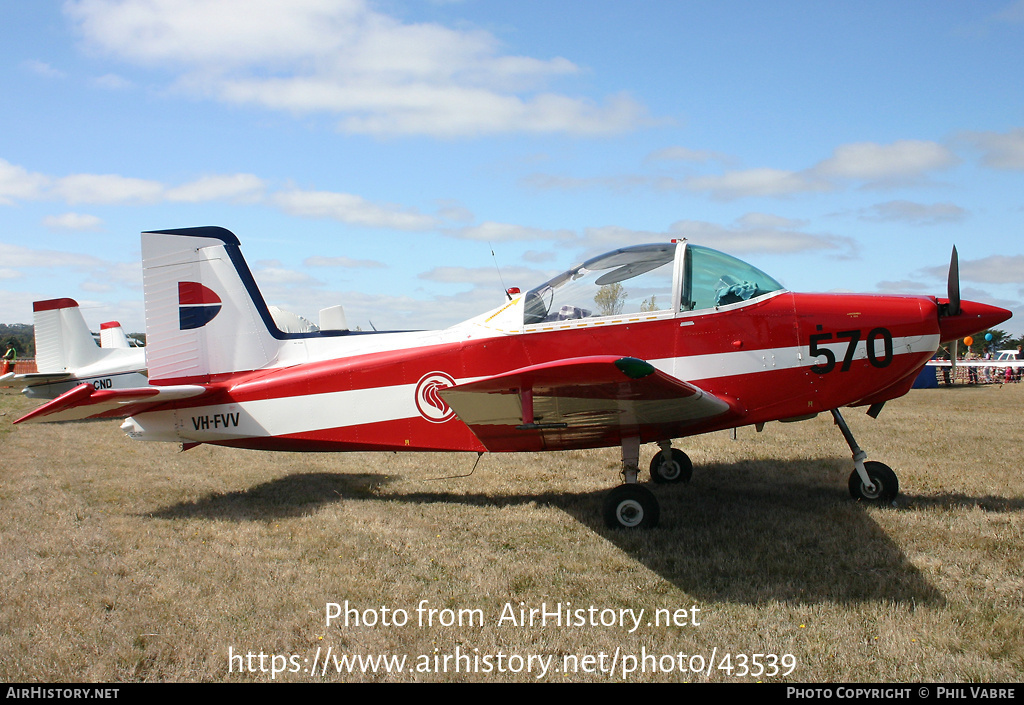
631 505
870 481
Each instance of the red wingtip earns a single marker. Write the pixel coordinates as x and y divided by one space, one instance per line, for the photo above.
64 401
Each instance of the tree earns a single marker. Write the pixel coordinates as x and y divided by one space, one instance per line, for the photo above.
1000 340
18 335
610 299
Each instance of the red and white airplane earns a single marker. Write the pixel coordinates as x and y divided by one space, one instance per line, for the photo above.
67 355
644 344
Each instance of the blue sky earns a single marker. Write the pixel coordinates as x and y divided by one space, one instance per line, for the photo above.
374 154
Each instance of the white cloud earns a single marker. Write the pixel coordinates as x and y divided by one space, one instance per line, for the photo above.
505 232
454 211
349 208
902 286
379 75
538 257
899 161
768 220
1000 150
8 273
915 213
42 68
879 165
482 276
346 262
604 237
72 221
18 256
744 237
112 82
283 276
685 154
756 183
107 188
996 269
234 187
17 183
1012 13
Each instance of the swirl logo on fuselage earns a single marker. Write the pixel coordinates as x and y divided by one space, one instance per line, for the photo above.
429 402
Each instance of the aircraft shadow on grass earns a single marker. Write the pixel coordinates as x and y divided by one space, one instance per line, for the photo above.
734 534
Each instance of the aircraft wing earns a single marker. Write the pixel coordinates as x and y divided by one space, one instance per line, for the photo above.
29 378
87 402
571 403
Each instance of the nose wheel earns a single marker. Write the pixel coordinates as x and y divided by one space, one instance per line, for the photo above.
884 484
671 465
870 481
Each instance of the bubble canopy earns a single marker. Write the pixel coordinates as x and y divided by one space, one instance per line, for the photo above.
649 278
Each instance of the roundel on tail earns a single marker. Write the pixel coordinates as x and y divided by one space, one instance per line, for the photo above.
197 305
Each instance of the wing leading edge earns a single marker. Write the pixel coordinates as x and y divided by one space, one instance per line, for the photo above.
87 402
577 402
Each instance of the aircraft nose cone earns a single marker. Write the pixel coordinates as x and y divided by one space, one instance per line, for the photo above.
973 317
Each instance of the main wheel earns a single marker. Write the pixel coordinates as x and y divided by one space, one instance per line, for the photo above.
677 468
886 484
631 507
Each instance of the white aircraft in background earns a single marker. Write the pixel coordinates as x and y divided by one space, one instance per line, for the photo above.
67 354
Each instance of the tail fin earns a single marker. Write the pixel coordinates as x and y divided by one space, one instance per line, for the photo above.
63 340
112 336
204 313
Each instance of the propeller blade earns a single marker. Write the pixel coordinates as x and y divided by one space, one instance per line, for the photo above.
953 285
952 358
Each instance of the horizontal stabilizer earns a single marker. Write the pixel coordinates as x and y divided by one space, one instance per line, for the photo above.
12 380
568 401
87 402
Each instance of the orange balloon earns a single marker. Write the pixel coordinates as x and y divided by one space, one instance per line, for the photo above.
968 341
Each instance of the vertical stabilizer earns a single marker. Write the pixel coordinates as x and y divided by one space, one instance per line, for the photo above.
204 314
63 340
112 336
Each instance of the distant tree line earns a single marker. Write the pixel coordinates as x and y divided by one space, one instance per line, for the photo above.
1001 340
20 336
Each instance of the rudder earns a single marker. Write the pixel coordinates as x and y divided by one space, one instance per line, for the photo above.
63 340
204 314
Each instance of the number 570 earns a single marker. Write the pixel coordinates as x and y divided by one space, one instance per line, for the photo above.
853 337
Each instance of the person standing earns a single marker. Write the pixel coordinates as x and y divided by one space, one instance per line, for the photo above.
8 360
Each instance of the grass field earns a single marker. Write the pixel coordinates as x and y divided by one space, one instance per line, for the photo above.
127 561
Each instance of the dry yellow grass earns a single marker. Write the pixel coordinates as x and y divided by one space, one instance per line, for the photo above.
133 561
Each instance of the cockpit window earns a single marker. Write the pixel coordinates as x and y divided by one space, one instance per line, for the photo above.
625 281
714 279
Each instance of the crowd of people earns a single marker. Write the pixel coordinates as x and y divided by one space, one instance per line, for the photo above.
982 374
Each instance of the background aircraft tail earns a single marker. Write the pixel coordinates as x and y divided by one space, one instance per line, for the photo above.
63 340
204 313
112 336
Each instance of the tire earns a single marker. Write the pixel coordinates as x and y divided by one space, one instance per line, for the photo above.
887 485
631 507
678 469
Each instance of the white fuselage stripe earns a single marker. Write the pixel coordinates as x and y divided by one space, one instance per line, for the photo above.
356 407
